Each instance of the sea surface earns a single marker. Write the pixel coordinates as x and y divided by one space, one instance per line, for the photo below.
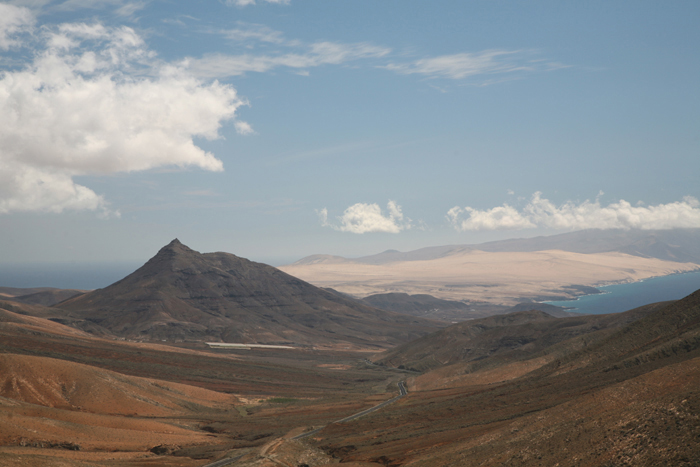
623 297
83 276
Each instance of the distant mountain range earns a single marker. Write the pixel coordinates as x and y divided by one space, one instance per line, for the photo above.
181 294
682 245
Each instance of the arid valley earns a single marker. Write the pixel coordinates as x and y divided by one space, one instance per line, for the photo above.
305 233
123 376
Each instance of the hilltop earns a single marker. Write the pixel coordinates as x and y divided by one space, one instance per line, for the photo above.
681 245
184 295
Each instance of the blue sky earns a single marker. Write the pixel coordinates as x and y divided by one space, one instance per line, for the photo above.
275 130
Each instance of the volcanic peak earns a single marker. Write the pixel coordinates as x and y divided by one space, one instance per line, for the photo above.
184 294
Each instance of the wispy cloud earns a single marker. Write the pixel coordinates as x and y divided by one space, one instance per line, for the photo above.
242 3
320 53
84 106
123 8
90 4
540 212
257 32
129 10
491 66
464 65
363 218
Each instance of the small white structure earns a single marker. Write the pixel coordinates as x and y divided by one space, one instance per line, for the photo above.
224 345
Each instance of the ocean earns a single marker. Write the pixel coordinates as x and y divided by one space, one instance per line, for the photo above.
623 297
84 276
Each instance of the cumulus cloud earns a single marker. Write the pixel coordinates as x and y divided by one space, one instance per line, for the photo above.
365 218
499 218
92 102
540 212
464 65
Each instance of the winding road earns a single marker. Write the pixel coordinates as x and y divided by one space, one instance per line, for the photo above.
402 393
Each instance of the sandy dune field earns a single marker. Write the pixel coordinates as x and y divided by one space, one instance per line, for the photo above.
502 278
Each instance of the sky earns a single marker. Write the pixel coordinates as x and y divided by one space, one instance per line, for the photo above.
276 129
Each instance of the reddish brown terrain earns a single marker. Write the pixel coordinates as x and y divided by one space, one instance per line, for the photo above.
519 389
70 398
623 397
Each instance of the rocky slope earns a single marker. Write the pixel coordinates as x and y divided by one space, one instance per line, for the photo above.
625 396
181 294
512 336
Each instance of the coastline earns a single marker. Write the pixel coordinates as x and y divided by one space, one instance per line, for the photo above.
676 273
659 288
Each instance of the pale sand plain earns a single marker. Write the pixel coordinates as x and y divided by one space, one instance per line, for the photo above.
499 278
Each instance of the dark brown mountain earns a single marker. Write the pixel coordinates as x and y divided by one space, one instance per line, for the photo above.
427 306
414 304
423 305
510 337
181 294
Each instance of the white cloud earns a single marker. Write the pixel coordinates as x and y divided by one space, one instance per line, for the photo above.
128 10
464 65
92 102
13 22
124 8
365 218
499 218
71 5
27 188
256 32
241 3
541 212
321 53
244 128
495 65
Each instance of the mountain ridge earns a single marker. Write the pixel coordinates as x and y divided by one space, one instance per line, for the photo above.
181 294
682 245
